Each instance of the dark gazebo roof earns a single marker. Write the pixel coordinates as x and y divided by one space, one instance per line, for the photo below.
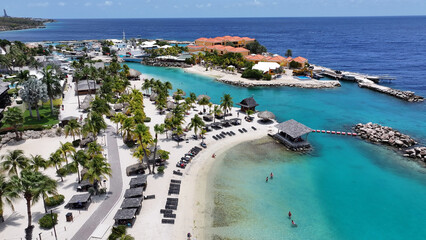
84 85
293 129
131 203
135 167
133 192
85 183
248 103
81 198
137 181
125 214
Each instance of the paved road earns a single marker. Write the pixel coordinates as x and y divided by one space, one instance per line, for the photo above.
116 185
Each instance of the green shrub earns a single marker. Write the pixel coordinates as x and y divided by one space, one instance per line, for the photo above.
12 91
76 143
54 200
160 169
267 77
130 144
294 64
252 74
117 232
147 119
62 172
46 221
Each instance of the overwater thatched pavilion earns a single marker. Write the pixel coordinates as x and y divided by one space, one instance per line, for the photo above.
290 133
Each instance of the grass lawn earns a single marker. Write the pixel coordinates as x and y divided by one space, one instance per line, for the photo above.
46 117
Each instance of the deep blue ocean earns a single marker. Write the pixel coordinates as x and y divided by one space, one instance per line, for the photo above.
344 188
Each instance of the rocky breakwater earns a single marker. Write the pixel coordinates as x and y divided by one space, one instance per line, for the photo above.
162 63
274 83
386 135
405 95
10 137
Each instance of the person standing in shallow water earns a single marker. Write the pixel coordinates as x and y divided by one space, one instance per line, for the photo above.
266 179
272 175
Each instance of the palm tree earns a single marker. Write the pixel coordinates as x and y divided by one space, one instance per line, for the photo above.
65 149
147 84
249 112
46 186
30 185
226 103
97 168
36 162
52 83
79 158
158 129
126 128
204 101
56 160
100 106
7 195
178 131
118 118
142 134
21 77
288 53
94 148
193 97
94 123
216 111
196 123
73 128
14 160
203 133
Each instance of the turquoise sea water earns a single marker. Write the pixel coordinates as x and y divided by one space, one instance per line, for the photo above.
343 189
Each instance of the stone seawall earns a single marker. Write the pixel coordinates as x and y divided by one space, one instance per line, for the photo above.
386 135
405 95
271 83
159 63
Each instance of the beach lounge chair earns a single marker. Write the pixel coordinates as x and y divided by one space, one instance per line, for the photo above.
177 173
254 128
168 221
176 181
169 215
232 132
163 211
215 138
149 197
241 131
245 130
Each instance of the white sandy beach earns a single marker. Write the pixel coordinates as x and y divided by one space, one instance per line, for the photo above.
286 80
191 211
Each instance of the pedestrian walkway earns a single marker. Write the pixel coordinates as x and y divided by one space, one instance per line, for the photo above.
115 189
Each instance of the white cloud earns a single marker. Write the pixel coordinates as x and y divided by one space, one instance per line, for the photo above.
256 3
38 4
208 5
88 4
106 3
61 4
202 5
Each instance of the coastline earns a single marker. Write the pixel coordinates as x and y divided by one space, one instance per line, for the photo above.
286 81
198 208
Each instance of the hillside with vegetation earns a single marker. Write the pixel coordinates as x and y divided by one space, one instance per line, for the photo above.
14 23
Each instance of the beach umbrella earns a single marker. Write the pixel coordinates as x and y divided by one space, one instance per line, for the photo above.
181 94
118 106
153 97
134 73
170 105
266 115
203 96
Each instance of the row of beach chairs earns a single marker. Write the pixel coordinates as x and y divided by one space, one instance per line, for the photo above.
171 203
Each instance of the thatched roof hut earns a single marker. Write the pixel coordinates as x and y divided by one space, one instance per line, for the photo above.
134 192
133 74
266 115
135 169
118 106
183 93
203 96
153 96
293 129
248 104
170 105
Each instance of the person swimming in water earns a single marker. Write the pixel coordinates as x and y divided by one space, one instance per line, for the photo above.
289 214
266 179
272 175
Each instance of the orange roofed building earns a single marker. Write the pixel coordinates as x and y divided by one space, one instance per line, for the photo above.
260 58
236 41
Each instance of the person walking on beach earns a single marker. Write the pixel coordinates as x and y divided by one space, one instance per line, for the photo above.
266 179
272 175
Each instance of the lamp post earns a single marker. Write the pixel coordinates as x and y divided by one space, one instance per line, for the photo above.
54 228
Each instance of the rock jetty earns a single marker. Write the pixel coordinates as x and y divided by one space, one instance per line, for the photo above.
417 153
30 134
162 63
272 83
386 135
405 95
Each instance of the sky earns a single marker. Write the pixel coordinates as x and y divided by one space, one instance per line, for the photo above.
210 8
